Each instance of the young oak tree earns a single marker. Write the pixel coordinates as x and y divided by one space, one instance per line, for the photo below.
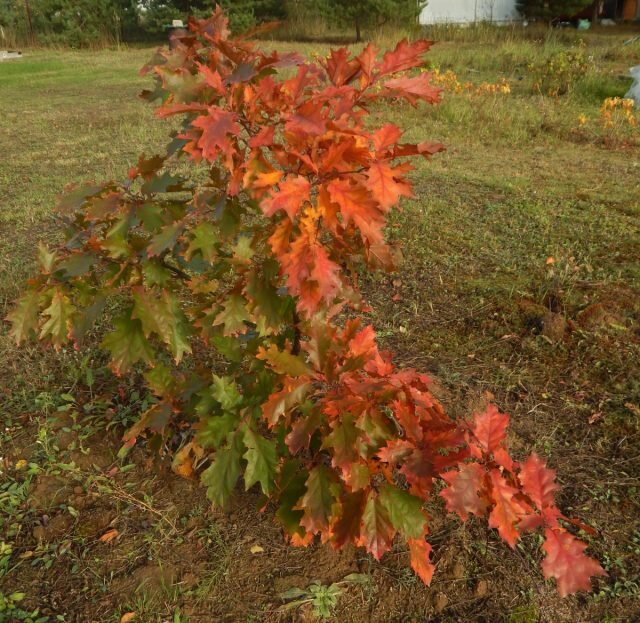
255 261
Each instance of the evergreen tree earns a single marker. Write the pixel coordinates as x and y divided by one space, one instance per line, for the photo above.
243 14
375 13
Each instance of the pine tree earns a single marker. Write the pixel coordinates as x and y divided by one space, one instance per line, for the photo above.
375 13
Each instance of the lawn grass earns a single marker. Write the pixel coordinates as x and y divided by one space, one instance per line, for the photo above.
526 214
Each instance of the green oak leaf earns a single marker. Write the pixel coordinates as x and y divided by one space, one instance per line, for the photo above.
155 274
77 265
261 461
127 344
115 241
204 241
233 315
163 317
225 391
221 476
228 347
86 318
404 511
342 440
163 183
164 240
46 258
160 379
60 313
284 362
269 306
214 429
291 485
24 317
152 216
243 251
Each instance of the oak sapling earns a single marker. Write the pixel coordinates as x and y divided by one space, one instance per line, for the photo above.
259 262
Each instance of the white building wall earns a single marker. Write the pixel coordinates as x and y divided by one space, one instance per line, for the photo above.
468 11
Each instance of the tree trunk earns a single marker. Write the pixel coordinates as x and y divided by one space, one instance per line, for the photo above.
29 21
596 12
358 33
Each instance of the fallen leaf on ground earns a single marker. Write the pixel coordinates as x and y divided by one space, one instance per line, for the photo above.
108 536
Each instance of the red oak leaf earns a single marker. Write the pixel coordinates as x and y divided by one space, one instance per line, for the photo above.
346 529
426 149
263 138
367 61
405 56
216 127
414 89
507 510
340 69
290 197
566 562
406 416
376 532
418 470
490 428
307 119
466 491
538 481
395 451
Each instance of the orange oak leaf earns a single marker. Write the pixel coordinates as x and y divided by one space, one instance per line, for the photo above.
420 554
385 188
302 541
466 491
292 394
212 78
507 511
326 274
109 536
566 562
293 192
406 416
538 481
386 136
357 206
